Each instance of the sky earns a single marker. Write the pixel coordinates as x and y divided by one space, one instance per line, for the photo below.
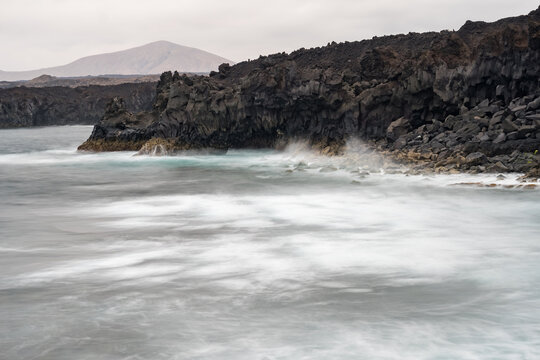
42 33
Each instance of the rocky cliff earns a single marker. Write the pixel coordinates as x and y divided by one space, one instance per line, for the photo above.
26 106
432 97
73 82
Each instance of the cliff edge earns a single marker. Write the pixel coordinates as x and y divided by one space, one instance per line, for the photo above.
62 105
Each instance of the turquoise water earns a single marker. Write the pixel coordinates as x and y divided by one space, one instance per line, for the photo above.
258 255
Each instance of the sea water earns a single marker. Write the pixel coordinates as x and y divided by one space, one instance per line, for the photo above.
258 255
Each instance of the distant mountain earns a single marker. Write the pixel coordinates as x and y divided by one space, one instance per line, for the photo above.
153 58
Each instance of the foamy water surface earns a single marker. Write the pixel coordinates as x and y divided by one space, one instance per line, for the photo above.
258 255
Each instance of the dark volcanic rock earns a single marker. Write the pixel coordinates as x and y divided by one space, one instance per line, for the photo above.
397 128
475 158
457 89
23 107
119 129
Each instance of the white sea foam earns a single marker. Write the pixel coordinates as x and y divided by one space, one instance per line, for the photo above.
337 232
262 255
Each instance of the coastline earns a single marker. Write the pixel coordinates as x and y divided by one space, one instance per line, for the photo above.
453 101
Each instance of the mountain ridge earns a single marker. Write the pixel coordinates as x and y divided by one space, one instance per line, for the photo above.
152 58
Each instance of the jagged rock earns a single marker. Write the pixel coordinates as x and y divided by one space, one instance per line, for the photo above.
484 103
468 130
512 136
498 167
115 107
533 105
518 108
400 143
475 158
525 130
500 138
327 95
500 91
508 126
483 137
534 117
451 121
496 119
27 106
397 128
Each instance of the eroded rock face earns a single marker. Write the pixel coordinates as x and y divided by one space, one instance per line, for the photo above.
26 106
460 92
119 129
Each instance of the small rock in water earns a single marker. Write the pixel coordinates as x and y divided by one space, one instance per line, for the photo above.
328 169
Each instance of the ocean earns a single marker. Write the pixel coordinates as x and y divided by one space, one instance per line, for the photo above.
258 254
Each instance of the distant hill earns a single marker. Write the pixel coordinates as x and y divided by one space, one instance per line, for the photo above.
153 58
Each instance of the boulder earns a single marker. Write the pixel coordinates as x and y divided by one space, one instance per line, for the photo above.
397 128
508 126
525 130
450 121
495 120
483 137
400 143
533 117
518 108
500 91
475 158
512 136
500 138
534 105
468 130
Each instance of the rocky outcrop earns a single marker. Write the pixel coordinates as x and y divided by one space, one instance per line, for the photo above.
489 137
73 82
442 95
25 106
119 129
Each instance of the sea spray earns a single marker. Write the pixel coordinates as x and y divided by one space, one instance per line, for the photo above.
357 156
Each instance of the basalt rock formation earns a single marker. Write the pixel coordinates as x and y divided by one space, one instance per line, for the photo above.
59 105
73 82
465 99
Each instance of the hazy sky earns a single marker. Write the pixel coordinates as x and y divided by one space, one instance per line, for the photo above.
42 33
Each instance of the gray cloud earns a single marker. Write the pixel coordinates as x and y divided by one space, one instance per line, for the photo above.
40 33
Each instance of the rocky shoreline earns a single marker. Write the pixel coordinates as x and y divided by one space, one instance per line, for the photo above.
488 138
66 105
466 100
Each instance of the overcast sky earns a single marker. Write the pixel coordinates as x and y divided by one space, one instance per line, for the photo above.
42 33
